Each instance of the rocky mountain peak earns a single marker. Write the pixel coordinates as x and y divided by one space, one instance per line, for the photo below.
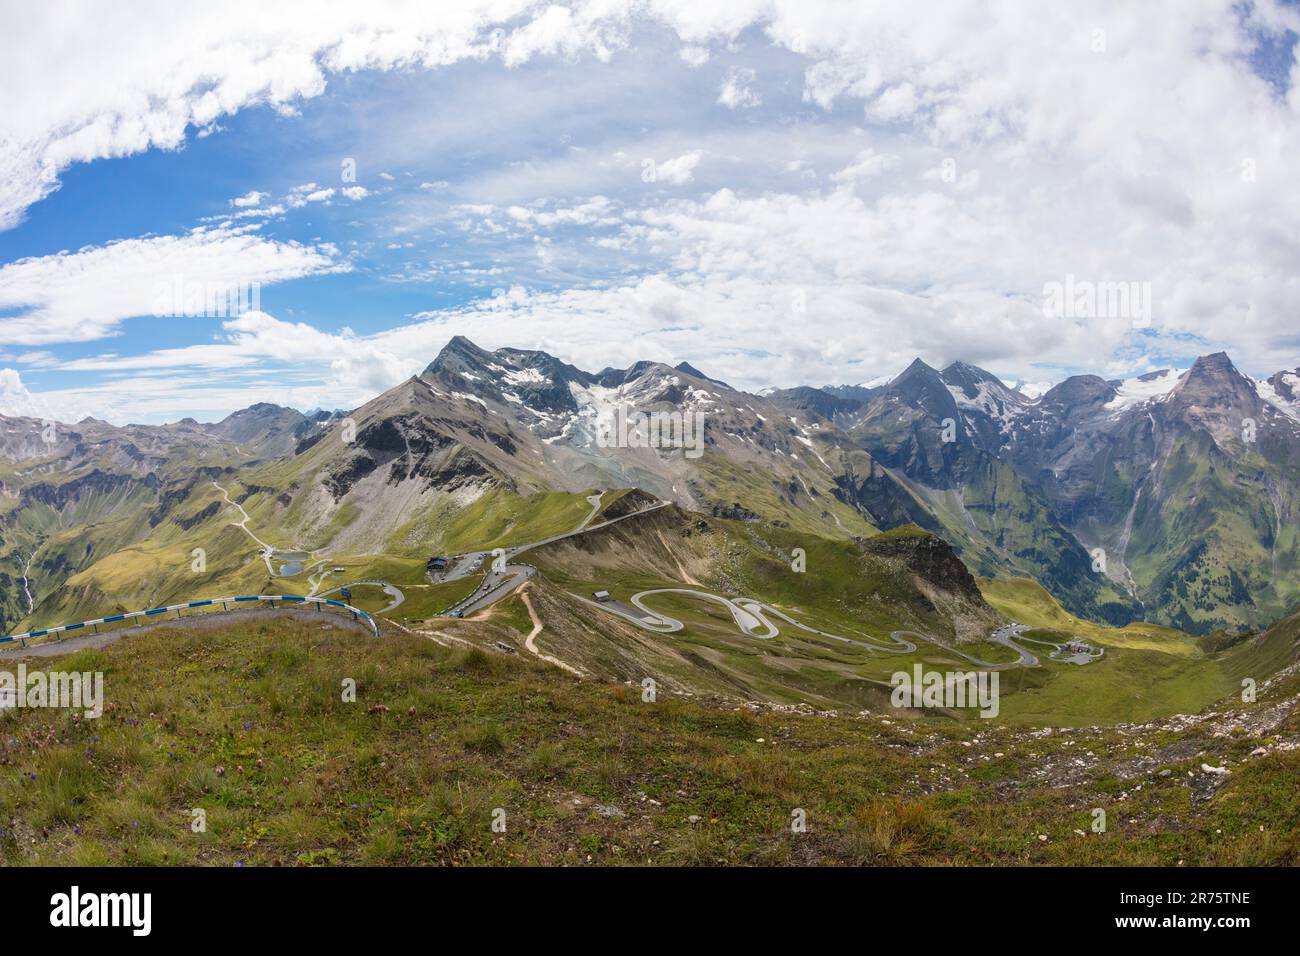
1214 391
1078 390
969 377
458 355
923 387
820 402
690 369
1216 368
1287 384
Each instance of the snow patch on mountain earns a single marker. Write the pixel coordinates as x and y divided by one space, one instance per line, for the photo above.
524 376
1154 386
1269 394
1002 408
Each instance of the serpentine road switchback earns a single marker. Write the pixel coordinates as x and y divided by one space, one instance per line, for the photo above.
753 618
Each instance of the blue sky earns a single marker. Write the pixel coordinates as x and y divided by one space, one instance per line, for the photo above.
778 193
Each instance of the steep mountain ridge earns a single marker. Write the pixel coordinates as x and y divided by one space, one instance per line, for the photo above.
1172 496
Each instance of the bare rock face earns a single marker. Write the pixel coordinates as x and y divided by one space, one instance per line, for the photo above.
930 558
1215 396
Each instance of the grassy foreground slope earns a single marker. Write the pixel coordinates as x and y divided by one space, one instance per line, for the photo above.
247 723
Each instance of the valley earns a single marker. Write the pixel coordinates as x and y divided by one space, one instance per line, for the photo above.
466 544
820 543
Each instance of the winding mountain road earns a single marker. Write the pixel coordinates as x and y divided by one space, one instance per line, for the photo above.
264 549
392 590
753 619
498 583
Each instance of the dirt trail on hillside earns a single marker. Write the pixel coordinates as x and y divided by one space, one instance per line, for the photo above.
530 640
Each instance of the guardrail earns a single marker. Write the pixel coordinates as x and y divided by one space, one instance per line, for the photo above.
224 601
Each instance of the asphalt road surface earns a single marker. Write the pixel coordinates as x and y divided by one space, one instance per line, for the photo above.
753 619
497 584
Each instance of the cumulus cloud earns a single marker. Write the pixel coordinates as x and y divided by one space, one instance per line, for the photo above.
300 196
16 400
976 163
178 68
694 55
678 170
736 93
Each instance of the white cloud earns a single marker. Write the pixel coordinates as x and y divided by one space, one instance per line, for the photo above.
986 161
261 212
355 192
896 103
678 170
735 93
868 165
253 198
258 358
300 196
85 295
596 211
694 55
17 401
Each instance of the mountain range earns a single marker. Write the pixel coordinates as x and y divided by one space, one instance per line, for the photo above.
1170 498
